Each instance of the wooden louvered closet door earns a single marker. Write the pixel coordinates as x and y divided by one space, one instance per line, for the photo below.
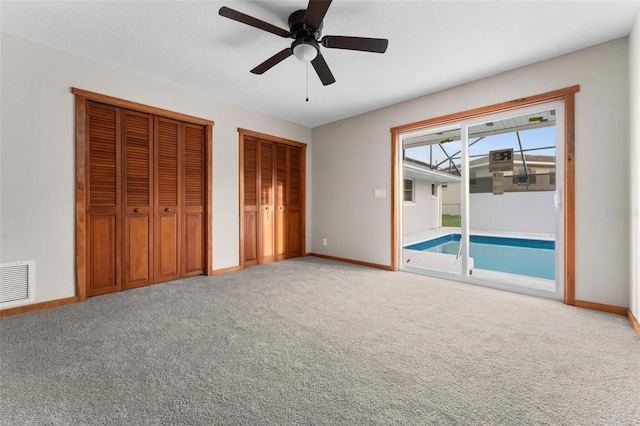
266 217
180 199
193 208
282 196
167 199
288 196
146 199
272 183
103 237
294 203
138 218
250 207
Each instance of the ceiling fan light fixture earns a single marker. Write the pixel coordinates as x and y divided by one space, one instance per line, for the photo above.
305 50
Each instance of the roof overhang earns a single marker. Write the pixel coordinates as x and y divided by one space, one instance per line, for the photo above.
416 171
481 130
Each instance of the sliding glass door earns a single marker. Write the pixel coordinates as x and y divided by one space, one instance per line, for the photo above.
482 202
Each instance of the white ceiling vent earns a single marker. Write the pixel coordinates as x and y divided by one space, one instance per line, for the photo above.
17 283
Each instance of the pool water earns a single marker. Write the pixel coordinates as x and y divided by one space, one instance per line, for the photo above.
534 258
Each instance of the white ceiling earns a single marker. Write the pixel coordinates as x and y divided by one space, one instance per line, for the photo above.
432 45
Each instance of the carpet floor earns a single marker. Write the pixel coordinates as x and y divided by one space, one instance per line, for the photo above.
312 341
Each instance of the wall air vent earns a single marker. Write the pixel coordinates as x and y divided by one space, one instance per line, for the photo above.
17 283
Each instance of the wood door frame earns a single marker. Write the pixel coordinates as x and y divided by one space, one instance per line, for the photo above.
303 184
82 98
567 95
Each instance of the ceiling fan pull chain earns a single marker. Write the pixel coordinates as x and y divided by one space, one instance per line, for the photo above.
307 82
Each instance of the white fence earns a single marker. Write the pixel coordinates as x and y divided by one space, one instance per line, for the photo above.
513 212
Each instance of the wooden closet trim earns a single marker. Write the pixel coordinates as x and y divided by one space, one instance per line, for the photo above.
122 103
82 97
303 185
566 94
258 135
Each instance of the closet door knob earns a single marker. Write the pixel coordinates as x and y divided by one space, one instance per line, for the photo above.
167 209
137 210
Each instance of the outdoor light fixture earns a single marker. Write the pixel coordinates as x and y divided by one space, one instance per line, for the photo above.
536 119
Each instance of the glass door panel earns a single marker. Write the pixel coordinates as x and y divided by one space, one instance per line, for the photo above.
431 194
512 185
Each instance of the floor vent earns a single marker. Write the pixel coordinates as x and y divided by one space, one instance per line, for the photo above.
17 281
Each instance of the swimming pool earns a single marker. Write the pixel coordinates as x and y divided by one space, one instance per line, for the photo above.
534 258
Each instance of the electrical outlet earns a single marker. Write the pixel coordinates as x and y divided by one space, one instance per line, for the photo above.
324 241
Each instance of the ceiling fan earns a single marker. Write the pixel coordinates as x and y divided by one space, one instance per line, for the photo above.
305 27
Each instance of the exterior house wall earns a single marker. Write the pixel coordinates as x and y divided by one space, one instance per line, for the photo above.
343 192
38 155
424 214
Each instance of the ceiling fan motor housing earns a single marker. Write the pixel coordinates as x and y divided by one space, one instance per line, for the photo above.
299 30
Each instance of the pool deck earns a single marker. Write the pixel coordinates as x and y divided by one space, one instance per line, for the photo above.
449 264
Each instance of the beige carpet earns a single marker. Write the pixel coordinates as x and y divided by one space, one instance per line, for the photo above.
311 341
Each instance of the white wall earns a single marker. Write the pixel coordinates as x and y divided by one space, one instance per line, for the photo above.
634 261
359 226
38 161
530 212
424 214
353 157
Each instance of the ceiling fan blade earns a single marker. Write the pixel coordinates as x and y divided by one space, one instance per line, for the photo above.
272 61
321 67
315 13
254 22
364 44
